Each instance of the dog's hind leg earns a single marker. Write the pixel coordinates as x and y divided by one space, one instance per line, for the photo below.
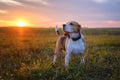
57 51
54 59
82 58
56 55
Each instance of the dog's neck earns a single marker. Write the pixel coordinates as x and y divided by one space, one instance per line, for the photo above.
75 36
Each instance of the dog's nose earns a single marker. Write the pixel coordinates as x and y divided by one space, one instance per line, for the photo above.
64 25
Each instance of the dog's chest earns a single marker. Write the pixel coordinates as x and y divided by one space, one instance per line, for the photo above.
75 47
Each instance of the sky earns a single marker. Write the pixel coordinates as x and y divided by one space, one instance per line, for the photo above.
49 13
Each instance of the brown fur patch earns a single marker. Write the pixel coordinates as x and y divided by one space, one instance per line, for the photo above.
76 27
60 44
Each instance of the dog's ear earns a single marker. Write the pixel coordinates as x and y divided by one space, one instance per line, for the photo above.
79 28
81 31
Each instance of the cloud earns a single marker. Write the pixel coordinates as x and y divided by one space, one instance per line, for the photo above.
5 22
112 22
104 1
103 23
43 2
3 11
11 2
100 1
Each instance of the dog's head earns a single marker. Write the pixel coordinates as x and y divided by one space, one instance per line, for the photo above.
72 27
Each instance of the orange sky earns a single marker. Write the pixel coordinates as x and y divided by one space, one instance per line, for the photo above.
48 13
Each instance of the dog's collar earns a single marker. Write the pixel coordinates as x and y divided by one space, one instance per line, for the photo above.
75 39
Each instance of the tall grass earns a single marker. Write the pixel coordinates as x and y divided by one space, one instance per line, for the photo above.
27 53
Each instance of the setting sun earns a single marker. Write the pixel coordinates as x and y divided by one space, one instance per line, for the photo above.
21 24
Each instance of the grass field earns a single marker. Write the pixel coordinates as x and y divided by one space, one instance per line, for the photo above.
27 53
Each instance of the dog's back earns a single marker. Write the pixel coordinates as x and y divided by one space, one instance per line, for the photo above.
61 42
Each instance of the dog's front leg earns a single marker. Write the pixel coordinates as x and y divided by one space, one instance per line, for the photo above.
67 57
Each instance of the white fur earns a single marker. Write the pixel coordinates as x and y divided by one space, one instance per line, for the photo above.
68 28
74 35
75 47
54 60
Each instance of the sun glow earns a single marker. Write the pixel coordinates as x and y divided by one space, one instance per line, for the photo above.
21 24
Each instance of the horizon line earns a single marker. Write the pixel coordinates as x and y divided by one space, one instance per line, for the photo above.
49 27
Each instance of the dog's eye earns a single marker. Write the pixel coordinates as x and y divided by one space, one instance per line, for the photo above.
71 23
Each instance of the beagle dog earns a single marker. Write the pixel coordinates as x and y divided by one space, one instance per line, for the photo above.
72 42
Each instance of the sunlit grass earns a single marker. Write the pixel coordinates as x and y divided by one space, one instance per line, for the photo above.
26 54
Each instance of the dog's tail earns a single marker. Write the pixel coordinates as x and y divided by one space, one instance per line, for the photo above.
57 31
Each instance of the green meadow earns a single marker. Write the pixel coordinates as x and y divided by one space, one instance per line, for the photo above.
27 54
